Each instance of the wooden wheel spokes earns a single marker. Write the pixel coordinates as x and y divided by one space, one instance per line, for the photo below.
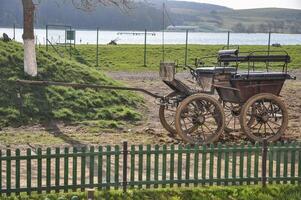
270 117
199 119
167 115
232 114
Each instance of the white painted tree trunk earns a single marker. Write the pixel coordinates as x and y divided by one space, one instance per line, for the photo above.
30 61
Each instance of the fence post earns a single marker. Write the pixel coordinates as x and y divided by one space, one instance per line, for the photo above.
186 49
264 163
47 38
228 40
125 166
145 36
14 32
97 47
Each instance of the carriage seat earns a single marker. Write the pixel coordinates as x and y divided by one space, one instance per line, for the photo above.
262 75
254 58
215 70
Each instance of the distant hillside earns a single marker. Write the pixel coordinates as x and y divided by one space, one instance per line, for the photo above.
148 14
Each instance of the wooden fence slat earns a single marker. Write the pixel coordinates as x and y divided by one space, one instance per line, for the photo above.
241 163
172 163
57 169
48 170
278 161
17 178
156 171
234 154
164 158
271 163
226 165
180 167
8 172
148 164
299 166
219 163
249 153
256 161
74 169
132 173
211 164
28 169
39 177
100 166
0 172
140 165
293 161
91 166
204 160
196 165
66 169
285 162
116 167
83 169
187 171
108 170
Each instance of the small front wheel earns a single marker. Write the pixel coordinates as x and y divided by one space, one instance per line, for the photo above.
167 115
200 119
270 117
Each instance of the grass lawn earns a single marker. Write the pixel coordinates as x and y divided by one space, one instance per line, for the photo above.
131 57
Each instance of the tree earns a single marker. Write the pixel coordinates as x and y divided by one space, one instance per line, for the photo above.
30 62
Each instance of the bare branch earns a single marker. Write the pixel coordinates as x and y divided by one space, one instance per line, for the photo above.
88 5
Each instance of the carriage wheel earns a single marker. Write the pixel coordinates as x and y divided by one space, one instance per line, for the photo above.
270 114
200 119
232 113
232 117
167 115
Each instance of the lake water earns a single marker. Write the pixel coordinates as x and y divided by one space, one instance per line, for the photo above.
136 37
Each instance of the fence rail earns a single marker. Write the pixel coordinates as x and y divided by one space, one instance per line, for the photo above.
147 167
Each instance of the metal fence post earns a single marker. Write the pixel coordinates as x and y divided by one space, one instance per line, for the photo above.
186 48
47 38
14 32
228 40
264 163
97 47
145 36
125 166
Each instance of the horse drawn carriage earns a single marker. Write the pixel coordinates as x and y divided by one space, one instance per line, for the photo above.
226 99
247 102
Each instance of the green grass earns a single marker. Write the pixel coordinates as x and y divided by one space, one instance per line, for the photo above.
108 109
279 192
130 57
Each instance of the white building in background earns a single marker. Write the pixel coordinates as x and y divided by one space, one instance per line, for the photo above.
182 28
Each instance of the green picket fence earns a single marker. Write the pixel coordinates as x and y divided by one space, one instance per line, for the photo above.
147 167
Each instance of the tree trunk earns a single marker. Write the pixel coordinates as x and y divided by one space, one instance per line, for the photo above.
30 62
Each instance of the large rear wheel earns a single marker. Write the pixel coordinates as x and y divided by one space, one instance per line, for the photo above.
270 117
200 119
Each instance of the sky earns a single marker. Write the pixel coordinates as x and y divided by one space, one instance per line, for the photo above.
246 4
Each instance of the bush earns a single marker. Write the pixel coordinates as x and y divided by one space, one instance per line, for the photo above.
274 192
